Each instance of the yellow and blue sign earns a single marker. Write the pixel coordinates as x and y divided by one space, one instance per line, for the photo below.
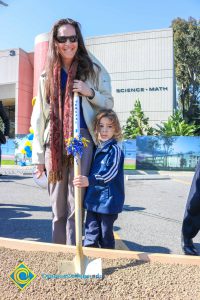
22 276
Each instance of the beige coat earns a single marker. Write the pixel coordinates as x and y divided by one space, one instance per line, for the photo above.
40 116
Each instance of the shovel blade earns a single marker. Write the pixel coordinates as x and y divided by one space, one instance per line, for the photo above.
89 267
66 267
94 267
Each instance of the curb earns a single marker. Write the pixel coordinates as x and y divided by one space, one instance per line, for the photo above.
16 171
100 253
146 177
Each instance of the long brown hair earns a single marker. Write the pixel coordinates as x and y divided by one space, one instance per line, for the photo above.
112 116
85 68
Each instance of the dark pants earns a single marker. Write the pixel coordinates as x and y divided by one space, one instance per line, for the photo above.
191 220
99 230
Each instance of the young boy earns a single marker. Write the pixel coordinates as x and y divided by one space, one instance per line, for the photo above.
104 198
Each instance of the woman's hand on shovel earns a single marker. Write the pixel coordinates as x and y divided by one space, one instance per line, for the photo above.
81 181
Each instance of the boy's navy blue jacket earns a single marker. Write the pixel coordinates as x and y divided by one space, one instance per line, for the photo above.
105 193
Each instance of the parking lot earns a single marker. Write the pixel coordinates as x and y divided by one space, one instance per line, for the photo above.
150 222
153 212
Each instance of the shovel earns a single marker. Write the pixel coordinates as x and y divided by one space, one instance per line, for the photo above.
81 263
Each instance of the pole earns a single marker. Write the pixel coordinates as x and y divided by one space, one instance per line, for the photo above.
79 260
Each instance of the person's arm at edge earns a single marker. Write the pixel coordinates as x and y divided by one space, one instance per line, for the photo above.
38 124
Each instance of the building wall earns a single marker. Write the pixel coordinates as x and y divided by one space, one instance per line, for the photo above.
8 80
24 97
8 67
16 85
8 75
41 47
140 65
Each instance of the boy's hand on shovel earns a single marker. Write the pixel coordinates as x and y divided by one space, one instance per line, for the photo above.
81 181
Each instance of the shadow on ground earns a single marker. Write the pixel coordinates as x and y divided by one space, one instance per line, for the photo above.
16 223
133 246
11 178
148 248
128 207
122 266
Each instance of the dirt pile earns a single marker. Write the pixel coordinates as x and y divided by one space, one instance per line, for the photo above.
122 279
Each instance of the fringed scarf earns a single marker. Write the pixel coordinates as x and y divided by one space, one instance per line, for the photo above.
61 121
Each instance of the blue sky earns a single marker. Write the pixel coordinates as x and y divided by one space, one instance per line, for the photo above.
22 20
186 144
182 144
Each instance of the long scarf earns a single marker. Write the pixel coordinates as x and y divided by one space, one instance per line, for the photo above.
61 121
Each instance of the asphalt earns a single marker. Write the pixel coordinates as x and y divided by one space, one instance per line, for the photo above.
151 219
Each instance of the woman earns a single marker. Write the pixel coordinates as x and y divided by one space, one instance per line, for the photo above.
69 69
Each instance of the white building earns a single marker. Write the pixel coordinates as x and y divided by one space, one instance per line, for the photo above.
141 66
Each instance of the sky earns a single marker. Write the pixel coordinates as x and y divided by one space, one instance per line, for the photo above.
182 144
186 144
22 20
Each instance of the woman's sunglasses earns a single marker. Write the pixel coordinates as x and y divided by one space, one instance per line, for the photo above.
64 39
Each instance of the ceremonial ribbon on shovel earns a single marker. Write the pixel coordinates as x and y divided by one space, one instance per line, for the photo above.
81 263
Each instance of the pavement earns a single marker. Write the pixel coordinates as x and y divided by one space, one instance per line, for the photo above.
153 175
151 219
129 174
